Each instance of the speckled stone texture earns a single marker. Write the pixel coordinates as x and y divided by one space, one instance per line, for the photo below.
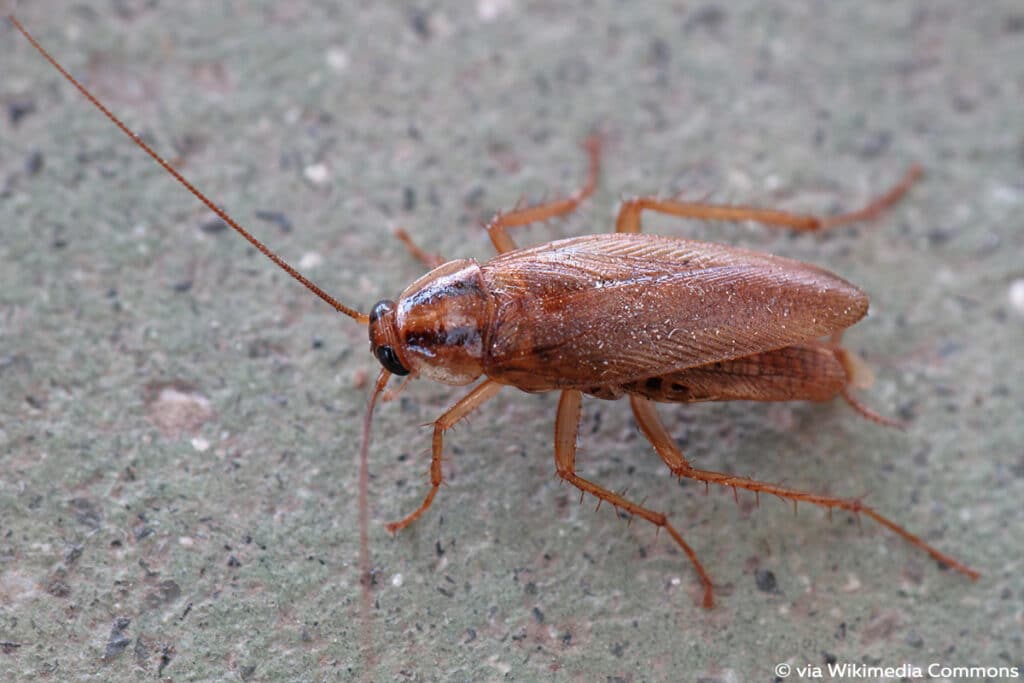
179 421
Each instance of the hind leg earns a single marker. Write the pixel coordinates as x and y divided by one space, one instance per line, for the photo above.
566 429
629 213
650 424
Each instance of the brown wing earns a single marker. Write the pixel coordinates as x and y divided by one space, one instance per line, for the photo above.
621 307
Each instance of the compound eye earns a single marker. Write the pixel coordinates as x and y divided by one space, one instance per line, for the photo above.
389 359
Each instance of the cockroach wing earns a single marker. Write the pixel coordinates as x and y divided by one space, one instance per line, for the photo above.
609 309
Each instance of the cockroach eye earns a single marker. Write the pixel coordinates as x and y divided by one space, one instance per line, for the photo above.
389 359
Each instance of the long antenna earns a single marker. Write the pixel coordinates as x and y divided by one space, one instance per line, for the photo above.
361 318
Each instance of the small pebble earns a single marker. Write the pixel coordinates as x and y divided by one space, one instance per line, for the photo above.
318 174
1017 295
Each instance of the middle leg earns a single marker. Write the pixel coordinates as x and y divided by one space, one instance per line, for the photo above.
418 252
541 212
567 425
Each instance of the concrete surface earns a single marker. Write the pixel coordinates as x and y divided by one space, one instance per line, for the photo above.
179 421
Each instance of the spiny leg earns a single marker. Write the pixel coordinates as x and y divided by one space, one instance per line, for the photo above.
566 428
467 404
651 426
542 212
629 213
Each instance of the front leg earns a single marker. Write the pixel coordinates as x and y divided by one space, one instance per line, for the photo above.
467 404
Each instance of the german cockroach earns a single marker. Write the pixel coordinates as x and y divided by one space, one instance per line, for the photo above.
656 319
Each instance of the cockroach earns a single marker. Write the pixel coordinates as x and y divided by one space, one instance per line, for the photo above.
656 319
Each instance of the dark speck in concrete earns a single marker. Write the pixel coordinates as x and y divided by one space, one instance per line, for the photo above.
709 17
766 582
57 585
939 236
86 513
420 22
118 641
72 553
474 197
213 226
34 162
876 144
19 109
276 218
166 654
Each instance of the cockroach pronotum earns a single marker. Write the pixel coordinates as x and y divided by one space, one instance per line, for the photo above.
656 319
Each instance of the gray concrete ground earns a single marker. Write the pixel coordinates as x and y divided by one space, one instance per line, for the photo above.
179 421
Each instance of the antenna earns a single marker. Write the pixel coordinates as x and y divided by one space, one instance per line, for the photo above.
361 318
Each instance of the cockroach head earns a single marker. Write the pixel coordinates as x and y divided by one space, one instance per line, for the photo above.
384 337
435 329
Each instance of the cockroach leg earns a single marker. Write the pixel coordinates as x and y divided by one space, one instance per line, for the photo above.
858 376
467 404
867 413
629 214
879 204
541 212
392 394
566 429
650 424
428 259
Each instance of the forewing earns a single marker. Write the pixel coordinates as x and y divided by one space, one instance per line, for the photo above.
616 308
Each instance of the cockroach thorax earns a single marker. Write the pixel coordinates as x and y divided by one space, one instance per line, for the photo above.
439 322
